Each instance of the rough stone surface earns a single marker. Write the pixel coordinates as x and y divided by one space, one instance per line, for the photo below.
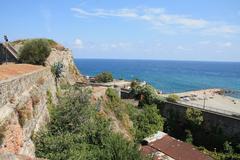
11 156
70 72
23 109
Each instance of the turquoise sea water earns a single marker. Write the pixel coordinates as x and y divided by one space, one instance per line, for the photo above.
169 76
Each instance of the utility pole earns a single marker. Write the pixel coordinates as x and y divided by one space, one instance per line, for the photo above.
6 41
204 100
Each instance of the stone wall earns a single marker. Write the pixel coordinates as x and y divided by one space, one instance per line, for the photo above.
23 109
229 125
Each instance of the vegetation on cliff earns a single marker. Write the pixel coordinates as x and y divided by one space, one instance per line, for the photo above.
146 120
78 131
35 52
104 77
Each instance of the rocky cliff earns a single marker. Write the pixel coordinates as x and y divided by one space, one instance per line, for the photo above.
60 54
26 92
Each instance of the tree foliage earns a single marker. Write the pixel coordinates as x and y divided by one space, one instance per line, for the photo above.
57 69
78 132
173 98
146 94
148 122
104 77
194 116
35 52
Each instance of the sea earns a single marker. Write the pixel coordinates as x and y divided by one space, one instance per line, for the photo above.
169 76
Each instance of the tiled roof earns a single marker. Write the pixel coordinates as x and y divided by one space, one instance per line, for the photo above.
174 148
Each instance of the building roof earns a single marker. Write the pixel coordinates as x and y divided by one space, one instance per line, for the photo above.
173 148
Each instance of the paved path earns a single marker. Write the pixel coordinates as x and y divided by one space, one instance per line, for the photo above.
213 101
11 70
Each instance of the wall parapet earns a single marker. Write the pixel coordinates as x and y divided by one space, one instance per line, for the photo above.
13 87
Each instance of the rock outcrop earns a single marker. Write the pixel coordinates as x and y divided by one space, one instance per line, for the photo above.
70 73
62 55
26 91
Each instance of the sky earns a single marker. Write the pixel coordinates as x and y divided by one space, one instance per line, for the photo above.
203 30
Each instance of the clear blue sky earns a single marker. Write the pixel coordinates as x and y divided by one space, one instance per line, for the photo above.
130 29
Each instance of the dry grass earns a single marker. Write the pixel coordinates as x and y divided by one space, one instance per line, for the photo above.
24 115
2 131
40 81
35 100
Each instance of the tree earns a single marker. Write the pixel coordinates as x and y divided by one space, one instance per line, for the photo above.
104 77
112 94
35 52
227 147
117 148
173 98
57 69
78 131
148 122
194 117
146 94
189 137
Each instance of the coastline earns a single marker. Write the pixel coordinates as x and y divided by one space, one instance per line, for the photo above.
210 99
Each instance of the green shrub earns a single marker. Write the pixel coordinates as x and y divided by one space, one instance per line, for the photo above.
35 52
227 147
146 94
173 98
194 117
148 122
57 69
78 131
104 77
112 94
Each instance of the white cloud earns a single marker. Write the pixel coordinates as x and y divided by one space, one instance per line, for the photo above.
227 29
105 13
163 21
156 16
78 43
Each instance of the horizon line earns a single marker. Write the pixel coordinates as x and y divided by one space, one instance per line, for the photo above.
221 61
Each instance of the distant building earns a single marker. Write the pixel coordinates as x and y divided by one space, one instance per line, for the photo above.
8 53
164 147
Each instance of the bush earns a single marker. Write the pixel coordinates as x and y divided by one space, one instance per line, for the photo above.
194 117
173 98
148 122
104 77
146 95
112 94
78 131
57 69
35 52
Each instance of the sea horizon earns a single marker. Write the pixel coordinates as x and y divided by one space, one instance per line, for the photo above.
220 61
169 76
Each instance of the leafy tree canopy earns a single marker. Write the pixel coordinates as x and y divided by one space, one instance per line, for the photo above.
35 52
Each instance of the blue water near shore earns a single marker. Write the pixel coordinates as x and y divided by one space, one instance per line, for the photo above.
169 76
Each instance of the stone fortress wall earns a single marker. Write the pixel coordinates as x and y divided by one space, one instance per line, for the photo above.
23 109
